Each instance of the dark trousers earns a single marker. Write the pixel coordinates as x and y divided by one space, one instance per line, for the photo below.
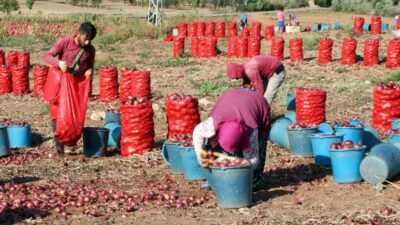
58 145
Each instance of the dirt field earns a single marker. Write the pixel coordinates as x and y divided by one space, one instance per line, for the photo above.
296 191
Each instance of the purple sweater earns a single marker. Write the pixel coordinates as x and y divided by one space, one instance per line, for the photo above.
66 50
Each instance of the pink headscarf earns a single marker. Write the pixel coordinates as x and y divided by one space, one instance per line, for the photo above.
235 70
233 136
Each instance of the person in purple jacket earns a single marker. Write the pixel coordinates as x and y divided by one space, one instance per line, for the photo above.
239 126
64 52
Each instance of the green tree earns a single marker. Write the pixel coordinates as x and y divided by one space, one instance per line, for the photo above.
8 5
29 3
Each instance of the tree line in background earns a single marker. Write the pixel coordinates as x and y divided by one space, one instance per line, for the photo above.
373 7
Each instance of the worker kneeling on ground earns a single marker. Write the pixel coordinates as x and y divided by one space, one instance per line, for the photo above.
266 73
238 126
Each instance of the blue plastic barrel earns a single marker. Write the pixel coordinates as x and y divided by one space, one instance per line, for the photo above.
291 115
233 186
325 27
95 140
324 128
114 136
316 27
346 164
19 136
384 27
354 134
321 144
279 132
191 167
299 141
290 102
337 26
172 156
367 27
4 143
113 117
395 123
381 164
370 137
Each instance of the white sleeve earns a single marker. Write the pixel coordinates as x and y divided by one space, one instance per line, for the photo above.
253 155
202 132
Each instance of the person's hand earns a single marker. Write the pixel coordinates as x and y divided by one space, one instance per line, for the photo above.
63 66
202 157
88 73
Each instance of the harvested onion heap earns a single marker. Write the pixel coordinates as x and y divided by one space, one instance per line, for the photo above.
6 122
345 145
187 143
132 100
299 126
347 124
388 86
179 138
231 163
111 110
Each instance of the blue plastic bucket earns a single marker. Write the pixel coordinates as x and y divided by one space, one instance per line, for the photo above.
346 164
354 134
113 117
367 27
316 27
19 136
291 115
381 164
393 139
290 102
395 123
324 128
370 137
233 186
299 141
172 156
325 27
355 122
95 141
208 173
384 27
191 167
114 136
337 26
321 144
279 132
4 142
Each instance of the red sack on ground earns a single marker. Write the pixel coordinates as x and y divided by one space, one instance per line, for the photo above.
255 29
5 80
220 29
108 83
296 49
179 46
23 58
358 25
349 46
310 105
211 47
277 47
20 79
232 29
182 29
242 47
12 58
39 79
194 46
202 47
245 32
210 29
393 54
371 52
232 46
376 25
2 57
254 46
169 38
125 85
325 50
141 84
201 28
269 32
192 29
74 95
52 87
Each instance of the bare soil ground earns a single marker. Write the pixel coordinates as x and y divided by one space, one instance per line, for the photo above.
296 190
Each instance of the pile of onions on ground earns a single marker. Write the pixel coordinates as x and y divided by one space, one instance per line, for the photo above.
23 157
